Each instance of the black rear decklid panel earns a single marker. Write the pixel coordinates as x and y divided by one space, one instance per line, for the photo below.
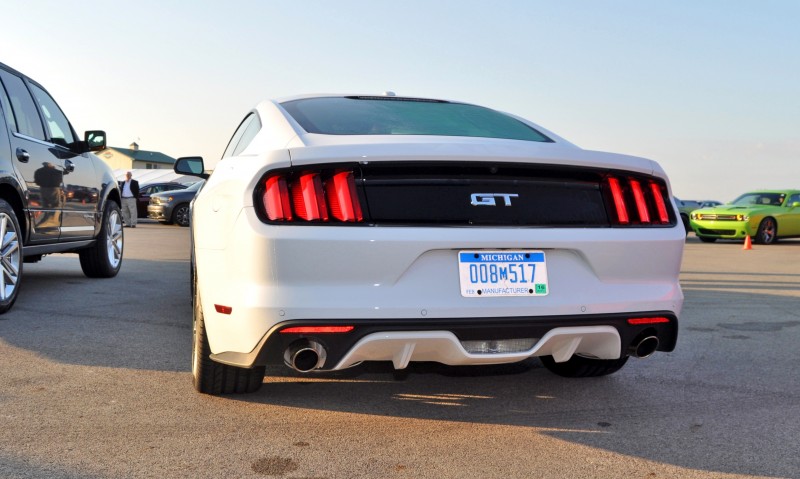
486 194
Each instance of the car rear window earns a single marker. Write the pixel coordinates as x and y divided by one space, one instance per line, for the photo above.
405 116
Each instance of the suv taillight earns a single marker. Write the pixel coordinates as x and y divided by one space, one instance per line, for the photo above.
319 196
635 201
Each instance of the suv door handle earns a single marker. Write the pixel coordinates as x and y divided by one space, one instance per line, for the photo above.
23 155
69 166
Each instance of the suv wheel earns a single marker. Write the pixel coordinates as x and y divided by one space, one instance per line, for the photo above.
211 377
10 256
104 259
583 367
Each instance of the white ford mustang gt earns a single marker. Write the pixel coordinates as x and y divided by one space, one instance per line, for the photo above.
339 229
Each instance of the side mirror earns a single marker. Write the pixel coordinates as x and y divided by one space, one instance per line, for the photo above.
190 165
795 204
95 139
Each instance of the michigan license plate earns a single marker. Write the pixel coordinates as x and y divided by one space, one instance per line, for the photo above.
502 273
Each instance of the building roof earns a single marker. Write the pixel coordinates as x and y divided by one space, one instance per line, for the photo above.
144 155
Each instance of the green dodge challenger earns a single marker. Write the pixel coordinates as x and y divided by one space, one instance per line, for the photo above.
764 215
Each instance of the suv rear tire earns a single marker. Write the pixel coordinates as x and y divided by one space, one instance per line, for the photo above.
104 259
10 256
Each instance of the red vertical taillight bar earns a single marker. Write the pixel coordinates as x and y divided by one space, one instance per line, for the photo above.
619 201
661 207
641 205
308 198
342 197
276 199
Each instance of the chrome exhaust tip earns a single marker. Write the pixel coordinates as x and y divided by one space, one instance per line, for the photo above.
644 348
304 356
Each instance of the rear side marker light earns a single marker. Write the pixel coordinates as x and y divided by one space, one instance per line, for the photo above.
639 321
223 309
317 329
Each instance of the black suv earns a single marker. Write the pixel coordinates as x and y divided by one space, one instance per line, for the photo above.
55 195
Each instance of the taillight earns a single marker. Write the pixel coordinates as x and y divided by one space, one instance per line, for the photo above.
661 206
644 197
276 199
342 197
641 206
308 198
313 196
619 201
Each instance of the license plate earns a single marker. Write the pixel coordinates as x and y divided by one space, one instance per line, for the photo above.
502 273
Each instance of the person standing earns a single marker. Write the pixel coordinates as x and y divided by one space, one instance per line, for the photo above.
130 191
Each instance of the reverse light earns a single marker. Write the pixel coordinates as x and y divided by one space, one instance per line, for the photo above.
317 329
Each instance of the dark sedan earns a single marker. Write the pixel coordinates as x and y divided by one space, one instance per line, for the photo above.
145 191
172 206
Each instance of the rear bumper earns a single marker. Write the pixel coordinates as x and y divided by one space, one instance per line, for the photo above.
447 341
406 279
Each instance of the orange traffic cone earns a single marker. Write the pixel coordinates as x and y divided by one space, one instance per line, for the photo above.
747 243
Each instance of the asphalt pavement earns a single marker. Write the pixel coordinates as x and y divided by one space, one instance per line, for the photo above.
95 383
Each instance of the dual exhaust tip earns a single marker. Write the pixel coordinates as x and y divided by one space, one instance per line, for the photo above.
305 355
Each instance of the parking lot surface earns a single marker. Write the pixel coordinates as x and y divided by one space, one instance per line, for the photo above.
95 383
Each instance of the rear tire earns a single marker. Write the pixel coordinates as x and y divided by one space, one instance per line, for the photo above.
104 259
583 367
10 257
211 377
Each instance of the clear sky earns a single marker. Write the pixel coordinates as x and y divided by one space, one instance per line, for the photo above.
709 89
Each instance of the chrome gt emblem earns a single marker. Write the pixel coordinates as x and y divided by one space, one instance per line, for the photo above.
489 199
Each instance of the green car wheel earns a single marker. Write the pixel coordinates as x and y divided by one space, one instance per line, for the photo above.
767 231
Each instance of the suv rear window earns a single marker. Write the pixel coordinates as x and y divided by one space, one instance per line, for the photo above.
405 116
